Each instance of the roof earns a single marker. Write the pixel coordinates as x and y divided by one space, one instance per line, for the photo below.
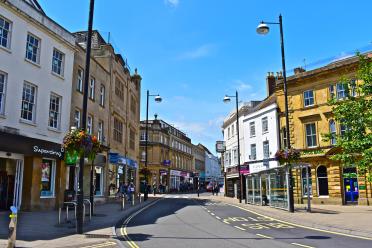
35 4
244 109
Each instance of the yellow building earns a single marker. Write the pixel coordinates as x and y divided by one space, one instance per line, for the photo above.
310 117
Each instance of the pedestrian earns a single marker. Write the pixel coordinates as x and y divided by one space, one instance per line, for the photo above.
154 188
216 189
130 191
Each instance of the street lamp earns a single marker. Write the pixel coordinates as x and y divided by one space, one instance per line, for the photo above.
264 29
158 99
227 99
80 191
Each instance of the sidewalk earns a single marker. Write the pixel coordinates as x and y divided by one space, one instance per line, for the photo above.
354 220
41 229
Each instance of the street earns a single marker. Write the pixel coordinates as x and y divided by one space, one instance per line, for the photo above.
183 221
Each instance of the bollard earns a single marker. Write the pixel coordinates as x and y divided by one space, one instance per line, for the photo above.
12 227
139 195
59 215
122 203
133 199
67 212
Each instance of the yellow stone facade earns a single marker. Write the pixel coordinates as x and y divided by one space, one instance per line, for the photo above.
318 114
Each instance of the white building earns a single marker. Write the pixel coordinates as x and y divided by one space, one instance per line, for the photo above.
36 67
212 167
266 181
230 137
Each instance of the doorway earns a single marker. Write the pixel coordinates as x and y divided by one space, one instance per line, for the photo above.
351 188
11 176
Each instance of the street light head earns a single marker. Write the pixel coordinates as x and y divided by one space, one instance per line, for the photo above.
226 99
262 28
158 99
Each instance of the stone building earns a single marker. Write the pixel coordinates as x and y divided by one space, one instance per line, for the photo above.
169 155
310 117
198 165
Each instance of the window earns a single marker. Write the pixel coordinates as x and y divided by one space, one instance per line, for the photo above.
132 139
228 133
58 62
92 88
266 151
343 129
80 78
102 95
48 169
54 111
235 152
3 78
331 91
100 132
77 118
353 88
118 130
311 135
98 182
304 182
284 137
119 89
341 93
28 102
332 130
5 32
232 130
253 152
265 125
252 129
143 136
308 98
133 107
322 177
33 49
90 125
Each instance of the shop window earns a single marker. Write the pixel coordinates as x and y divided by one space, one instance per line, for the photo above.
48 170
98 183
322 180
304 183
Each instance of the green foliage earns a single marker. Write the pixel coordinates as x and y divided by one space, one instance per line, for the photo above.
355 113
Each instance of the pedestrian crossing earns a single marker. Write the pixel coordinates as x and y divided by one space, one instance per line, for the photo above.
177 196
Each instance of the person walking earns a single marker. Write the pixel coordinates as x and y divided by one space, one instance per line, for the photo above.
130 191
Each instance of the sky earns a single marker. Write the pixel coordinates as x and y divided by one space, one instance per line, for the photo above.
193 52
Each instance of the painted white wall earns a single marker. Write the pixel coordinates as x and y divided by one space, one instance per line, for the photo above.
272 135
19 70
212 166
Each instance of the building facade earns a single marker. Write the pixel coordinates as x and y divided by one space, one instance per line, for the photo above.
36 71
310 117
169 156
198 167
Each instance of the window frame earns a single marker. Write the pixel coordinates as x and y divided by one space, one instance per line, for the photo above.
255 152
75 119
102 96
9 34
263 121
312 134
60 62
343 90
58 127
252 125
52 179
90 124
100 132
333 133
92 88
80 80
310 99
38 49
3 92
116 132
33 112
266 142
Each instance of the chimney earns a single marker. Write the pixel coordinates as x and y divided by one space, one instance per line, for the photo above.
298 70
270 83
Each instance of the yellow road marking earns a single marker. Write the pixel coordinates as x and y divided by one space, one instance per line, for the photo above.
123 229
263 236
306 246
297 225
218 217
240 228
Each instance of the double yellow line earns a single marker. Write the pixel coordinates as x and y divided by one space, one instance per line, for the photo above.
105 244
123 228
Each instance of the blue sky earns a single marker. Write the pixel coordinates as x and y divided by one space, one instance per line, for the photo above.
193 52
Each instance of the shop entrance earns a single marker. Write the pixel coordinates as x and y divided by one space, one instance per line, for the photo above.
11 174
351 188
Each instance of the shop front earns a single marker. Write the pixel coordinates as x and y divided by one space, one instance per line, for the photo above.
30 173
179 181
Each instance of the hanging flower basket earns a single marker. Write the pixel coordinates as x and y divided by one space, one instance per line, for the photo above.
82 143
287 155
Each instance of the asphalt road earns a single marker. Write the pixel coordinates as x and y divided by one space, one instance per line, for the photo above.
180 221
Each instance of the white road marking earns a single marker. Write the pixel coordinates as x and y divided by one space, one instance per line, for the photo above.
212 214
218 217
306 246
263 236
240 228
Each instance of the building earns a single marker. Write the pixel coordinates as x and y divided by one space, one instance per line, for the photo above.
169 156
98 118
310 117
231 154
36 69
198 167
123 93
212 167
266 182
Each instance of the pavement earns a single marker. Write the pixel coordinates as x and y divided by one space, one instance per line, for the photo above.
349 219
41 229
183 221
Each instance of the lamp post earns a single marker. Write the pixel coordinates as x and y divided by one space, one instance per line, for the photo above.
80 191
158 100
227 99
263 29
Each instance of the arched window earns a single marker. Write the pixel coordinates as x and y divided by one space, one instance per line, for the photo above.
332 131
322 178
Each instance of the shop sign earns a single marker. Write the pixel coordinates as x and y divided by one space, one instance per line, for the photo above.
362 187
350 175
313 152
220 146
184 174
48 152
120 169
175 173
163 172
166 162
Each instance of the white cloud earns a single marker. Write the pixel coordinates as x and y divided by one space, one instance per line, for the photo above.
241 85
172 3
199 52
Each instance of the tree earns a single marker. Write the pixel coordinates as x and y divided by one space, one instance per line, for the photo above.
354 113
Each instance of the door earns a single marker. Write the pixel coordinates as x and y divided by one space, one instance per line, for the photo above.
351 190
